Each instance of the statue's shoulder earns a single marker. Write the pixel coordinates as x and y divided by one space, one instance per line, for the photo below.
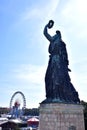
63 43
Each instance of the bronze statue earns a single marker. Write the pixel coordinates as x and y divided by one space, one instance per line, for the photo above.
57 80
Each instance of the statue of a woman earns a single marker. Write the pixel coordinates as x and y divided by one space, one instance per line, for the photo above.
57 80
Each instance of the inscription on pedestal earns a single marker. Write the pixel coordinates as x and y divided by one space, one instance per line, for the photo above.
72 128
61 117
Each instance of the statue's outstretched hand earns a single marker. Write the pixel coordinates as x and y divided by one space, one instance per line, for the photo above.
50 24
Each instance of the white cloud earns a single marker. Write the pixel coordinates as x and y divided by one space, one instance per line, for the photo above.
31 81
75 10
75 17
51 8
30 73
28 79
29 14
41 12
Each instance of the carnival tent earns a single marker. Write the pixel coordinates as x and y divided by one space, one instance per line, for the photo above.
33 121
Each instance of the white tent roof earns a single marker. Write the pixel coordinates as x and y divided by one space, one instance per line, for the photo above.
33 119
16 120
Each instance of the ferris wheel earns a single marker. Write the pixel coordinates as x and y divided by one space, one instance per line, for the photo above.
18 98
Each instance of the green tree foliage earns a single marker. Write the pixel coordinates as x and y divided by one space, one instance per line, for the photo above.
85 113
32 112
4 110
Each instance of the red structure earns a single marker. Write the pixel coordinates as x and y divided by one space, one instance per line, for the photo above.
33 122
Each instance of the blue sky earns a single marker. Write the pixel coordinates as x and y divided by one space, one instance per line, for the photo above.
24 49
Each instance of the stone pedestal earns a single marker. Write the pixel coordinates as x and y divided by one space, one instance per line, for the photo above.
58 116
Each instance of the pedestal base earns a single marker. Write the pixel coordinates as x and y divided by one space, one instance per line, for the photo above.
58 116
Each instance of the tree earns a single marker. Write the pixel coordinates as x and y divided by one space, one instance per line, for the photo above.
85 113
32 112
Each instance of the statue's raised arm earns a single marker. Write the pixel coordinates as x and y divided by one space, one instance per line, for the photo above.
48 26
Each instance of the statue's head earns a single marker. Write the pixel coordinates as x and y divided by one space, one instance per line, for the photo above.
58 33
